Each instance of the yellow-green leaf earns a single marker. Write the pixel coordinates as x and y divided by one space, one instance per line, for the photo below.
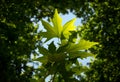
57 30
80 54
57 23
82 45
47 26
69 26
50 33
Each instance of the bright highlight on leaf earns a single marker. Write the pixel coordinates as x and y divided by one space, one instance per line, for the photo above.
70 47
69 26
57 30
82 45
57 23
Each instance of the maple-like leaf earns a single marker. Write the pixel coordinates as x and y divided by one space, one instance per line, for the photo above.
81 45
57 30
81 54
57 23
69 26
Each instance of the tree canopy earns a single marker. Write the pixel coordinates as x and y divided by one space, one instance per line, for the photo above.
103 26
19 38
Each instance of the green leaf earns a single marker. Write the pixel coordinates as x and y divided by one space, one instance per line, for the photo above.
73 37
64 42
80 54
68 66
78 70
57 23
57 30
52 48
58 57
50 31
81 45
43 51
63 46
43 59
69 26
84 44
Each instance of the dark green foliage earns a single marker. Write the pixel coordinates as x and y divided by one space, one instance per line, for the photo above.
17 40
104 26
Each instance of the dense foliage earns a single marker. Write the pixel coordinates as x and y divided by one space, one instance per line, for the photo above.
104 26
16 41
18 37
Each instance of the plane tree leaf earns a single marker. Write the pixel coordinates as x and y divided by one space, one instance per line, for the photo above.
57 30
80 54
81 45
50 33
57 23
63 56
69 26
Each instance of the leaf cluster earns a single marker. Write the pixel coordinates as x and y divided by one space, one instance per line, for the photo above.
60 62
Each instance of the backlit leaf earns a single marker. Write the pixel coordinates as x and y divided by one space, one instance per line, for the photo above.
81 45
80 54
57 30
50 30
69 26
57 23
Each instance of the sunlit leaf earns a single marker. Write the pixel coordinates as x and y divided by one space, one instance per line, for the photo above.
57 23
57 30
63 42
80 54
81 45
47 35
69 26
50 33
84 44
47 26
